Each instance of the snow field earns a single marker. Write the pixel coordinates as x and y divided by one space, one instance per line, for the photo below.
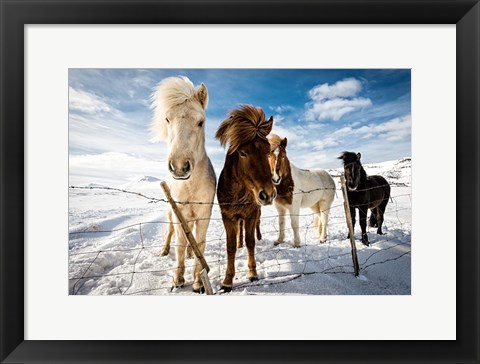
116 238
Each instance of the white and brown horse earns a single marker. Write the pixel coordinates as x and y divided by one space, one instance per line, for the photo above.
299 188
179 118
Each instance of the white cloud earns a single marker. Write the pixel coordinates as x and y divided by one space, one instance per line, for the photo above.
392 130
336 108
86 102
281 109
278 119
332 102
347 87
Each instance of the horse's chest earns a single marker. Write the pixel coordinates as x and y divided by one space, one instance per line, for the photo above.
284 194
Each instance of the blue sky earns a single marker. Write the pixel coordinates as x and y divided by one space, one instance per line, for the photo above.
322 112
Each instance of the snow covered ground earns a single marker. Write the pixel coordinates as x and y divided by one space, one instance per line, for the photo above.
115 239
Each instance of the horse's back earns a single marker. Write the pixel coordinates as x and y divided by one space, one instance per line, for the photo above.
378 188
314 185
325 177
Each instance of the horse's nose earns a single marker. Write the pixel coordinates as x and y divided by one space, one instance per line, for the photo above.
180 172
276 180
187 167
262 196
265 198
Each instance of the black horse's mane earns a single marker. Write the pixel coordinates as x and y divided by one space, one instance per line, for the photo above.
348 157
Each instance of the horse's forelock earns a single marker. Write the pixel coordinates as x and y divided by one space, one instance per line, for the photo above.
274 141
244 125
170 92
348 157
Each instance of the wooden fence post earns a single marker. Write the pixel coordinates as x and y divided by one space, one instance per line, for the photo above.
346 206
191 240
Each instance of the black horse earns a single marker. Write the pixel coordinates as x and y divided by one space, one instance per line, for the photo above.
365 192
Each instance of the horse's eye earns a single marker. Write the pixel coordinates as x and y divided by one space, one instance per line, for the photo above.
200 124
242 154
168 121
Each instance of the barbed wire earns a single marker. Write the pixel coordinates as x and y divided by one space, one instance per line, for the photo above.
156 200
275 255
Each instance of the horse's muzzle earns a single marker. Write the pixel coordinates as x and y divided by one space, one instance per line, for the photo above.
265 199
182 173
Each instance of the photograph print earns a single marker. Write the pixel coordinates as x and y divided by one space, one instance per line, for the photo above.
239 181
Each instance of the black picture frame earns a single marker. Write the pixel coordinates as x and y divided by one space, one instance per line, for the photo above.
15 14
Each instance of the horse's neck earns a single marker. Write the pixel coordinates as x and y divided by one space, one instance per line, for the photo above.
363 178
287 177
232 179
230 169
286 186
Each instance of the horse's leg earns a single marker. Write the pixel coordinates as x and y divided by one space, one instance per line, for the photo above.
363 223
201 227
231 227
373 221
352 215
381 211
316 220
281 223
240 233
259 233
250 226
168 235
294 219
180 246
323 222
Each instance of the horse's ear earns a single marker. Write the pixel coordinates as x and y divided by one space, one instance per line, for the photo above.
269 125
359 156
202 95
283 143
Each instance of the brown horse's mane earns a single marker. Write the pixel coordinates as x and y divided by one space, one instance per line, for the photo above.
243 126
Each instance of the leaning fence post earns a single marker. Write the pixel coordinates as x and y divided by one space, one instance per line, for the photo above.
190 238
346 205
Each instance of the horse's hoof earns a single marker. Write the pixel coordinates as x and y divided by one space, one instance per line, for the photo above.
199 290
174 287
164 253
225 289
253 279
296 245
275 243
365 242
259 237
323 241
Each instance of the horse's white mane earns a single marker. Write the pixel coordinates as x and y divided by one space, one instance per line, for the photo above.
169 92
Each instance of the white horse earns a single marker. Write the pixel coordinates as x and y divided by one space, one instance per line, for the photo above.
179 118
299 188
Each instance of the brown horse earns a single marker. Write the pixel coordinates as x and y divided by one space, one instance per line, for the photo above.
245 183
